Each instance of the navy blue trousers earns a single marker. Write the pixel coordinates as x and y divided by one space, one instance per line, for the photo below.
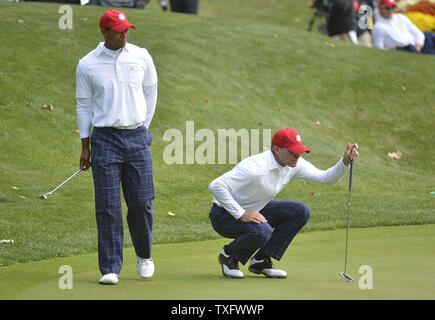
271 239
429 43
122 157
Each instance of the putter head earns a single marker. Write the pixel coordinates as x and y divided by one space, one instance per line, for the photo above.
43 196
346 277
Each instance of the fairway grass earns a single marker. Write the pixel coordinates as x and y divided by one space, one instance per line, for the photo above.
401 259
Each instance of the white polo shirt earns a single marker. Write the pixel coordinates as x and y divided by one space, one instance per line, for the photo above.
111 87
394 32
256 180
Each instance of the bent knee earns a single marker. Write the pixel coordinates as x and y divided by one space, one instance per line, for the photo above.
299 212
261 233
304 212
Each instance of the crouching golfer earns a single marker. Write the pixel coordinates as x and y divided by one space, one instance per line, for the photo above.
243 208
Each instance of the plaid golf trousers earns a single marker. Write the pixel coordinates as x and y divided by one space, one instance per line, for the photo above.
122 157
284 220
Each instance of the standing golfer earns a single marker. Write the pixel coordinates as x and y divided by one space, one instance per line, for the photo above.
243 208
117 94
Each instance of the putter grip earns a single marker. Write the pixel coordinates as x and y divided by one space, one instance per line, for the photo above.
350 175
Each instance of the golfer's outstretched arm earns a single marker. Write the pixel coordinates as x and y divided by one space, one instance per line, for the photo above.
308 171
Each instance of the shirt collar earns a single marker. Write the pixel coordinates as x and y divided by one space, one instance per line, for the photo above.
273 164
101 48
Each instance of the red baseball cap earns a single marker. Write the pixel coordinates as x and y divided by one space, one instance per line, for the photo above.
115 20
387 3
290 139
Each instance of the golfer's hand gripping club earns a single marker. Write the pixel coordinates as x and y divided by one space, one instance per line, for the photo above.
351 153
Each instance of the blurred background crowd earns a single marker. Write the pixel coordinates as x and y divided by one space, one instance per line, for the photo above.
407 25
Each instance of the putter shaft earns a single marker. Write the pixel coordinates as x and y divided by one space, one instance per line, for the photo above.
347 221
44 196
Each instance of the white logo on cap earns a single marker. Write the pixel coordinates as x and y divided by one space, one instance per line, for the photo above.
121 17
298 138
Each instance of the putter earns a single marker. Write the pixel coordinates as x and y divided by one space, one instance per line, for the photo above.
45 195
343 274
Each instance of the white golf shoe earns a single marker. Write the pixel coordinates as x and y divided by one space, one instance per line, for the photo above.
230 266
109 278
145 267
267 268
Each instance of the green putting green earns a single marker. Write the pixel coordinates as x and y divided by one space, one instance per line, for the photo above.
401 260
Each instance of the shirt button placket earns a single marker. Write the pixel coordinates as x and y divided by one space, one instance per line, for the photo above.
118 71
